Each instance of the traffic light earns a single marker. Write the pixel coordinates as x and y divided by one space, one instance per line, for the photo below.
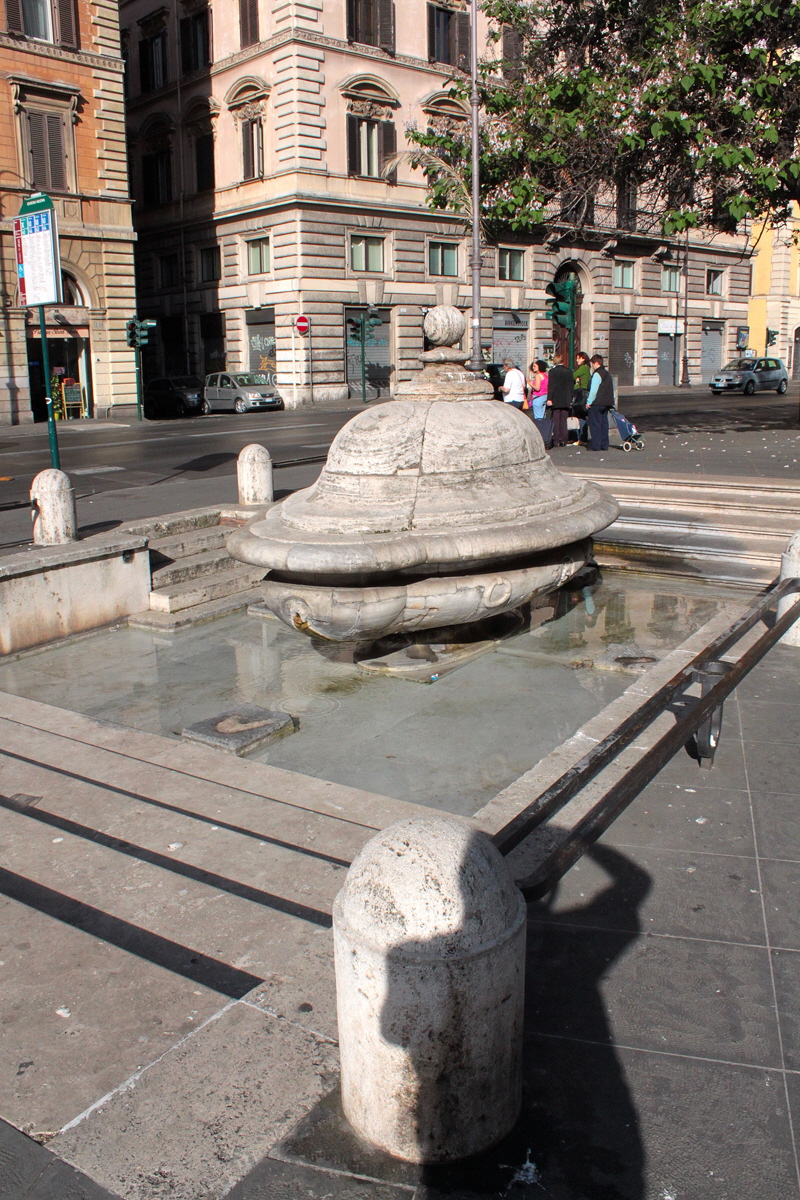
373 317
772 337
137 332
562 304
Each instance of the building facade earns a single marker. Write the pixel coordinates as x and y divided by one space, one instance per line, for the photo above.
260 135
775 303
62 132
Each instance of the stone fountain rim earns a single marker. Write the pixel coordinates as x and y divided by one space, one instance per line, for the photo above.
358 554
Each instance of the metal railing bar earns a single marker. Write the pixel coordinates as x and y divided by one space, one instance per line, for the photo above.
595 760
641 773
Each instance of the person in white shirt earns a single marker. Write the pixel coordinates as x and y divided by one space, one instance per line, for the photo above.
513 385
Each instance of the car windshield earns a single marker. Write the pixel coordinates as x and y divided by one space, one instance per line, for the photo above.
187 381
740 364
252 380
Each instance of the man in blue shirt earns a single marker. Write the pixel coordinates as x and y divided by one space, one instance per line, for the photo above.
598 402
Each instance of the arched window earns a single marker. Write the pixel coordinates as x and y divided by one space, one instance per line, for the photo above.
71 291
371 133
156 137
247 100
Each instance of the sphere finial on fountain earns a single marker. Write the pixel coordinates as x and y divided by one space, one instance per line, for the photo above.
444 325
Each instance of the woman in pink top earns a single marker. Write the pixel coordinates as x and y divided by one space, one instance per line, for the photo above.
537 395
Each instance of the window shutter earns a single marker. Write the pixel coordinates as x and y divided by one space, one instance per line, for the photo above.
67 23
204 36
149 180
187 58
512 52
353 146
248 165
431 33
14 16
55 152
40 177
460 35
165 180
386 25
352 20
258 155
388 147
248 22
145 59
204 162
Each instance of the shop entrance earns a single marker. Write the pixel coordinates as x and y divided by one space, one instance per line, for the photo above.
69 376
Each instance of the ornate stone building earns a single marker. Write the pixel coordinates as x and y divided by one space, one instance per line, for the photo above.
62 132
258 133
775 303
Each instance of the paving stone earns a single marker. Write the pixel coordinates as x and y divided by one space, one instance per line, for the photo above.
241 729
273 1180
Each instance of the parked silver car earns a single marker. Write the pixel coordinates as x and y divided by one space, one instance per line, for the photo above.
246 392
750 375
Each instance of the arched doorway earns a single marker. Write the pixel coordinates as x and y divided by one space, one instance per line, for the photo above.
566 271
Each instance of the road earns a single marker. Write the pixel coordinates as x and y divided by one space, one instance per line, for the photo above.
125 470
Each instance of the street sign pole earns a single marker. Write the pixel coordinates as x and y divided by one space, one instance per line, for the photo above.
55 458
138 368
571 295
363 327
39 280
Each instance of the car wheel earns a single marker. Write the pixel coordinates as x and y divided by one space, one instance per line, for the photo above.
207 409
714 392
149 412
749 388
240 406
782 386
180 409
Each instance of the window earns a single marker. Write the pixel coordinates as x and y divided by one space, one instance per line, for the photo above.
448 36
248 22
670 279
47 150
70 290
153 62
209 264
623 273
443 258
258 256
369 146
195 42
512 47
252 149
204 162
156 178
577 207
168 270
511 264
366 253
45 20
714 281
371 22
627 201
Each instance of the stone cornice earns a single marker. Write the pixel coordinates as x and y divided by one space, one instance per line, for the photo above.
45 50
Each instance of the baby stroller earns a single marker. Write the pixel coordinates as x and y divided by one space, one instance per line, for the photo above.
628 433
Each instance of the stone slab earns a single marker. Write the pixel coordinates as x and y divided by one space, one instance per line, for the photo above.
241 729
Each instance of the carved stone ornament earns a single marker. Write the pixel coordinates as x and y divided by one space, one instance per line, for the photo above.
369 109
155 22
248 112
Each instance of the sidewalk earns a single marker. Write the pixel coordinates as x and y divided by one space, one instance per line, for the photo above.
169 1025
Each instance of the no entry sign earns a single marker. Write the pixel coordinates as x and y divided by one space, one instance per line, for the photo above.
302 324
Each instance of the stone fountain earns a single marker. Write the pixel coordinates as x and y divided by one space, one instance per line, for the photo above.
438 509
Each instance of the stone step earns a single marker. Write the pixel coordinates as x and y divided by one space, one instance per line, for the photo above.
192 566
178 596
761 496
172 523
187 544
199 614
680 548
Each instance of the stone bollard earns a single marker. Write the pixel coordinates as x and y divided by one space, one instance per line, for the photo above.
429 941
790 569
53 500
254 470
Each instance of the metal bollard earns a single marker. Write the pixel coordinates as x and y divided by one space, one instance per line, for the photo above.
254 472
53 511
429 943
790 569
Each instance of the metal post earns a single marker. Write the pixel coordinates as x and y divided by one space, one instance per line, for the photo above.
51 419
363 327
310 367
138 368
476 363
685 381
573 315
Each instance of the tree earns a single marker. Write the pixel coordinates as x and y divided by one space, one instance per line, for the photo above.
687 109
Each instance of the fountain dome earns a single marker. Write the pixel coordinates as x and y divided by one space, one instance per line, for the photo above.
438 508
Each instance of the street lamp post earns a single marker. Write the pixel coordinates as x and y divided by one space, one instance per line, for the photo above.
476 363
685 381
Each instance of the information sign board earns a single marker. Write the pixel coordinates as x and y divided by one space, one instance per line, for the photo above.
36 246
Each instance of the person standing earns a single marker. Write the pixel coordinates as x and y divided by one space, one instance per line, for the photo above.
513 386
598 402
559 398
581 375
538 385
